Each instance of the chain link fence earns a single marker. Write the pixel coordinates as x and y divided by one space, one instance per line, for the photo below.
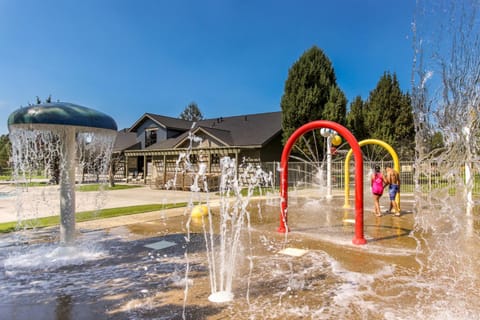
310 174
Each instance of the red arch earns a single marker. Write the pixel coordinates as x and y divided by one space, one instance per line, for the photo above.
352 141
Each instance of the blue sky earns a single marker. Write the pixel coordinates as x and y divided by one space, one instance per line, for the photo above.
231 57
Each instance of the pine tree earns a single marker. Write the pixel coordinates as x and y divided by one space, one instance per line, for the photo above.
355 119
191 113
404 129
336 107
388 115
311 93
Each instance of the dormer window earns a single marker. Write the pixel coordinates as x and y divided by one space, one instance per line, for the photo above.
150 136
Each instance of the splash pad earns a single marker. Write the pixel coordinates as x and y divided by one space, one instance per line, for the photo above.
143 283
313 271
331 278
416 267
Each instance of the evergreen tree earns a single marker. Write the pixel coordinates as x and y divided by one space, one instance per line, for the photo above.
389 116
355 119
436 143
191 113
336 106
404 129
311 93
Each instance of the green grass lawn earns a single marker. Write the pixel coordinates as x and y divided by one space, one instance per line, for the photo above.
9 177
90 215
82 187
97 187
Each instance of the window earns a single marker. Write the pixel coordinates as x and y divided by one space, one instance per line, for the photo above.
150 136
193 158
215 158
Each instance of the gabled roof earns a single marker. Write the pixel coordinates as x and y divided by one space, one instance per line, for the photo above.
163 121
247 130
125 140
167 144
223 136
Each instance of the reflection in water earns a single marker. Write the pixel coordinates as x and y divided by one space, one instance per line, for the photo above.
64 307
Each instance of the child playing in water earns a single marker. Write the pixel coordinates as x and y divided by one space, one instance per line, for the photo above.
377 189
393 180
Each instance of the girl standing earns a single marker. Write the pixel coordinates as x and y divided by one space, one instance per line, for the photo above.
377 189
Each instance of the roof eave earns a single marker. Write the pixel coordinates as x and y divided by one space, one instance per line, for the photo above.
141 119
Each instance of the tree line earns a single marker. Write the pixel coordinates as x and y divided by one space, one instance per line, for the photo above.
312 93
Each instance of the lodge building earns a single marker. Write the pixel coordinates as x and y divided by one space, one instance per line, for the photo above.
149 150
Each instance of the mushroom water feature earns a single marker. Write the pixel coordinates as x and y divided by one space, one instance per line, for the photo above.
60 132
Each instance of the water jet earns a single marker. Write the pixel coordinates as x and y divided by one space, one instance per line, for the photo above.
64 122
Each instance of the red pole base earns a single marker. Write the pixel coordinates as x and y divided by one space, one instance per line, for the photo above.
359 241
283 229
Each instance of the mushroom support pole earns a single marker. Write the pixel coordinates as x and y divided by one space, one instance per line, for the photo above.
352 141
67 188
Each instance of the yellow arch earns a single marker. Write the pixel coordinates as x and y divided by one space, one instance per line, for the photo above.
380 143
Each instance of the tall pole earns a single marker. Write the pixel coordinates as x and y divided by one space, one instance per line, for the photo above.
468 173
469 181
329 166
67 188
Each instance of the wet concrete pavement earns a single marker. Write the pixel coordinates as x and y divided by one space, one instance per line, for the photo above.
130 280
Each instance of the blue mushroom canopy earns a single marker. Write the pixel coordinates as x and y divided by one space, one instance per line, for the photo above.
60 113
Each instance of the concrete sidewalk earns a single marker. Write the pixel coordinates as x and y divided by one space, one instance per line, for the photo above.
44 201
